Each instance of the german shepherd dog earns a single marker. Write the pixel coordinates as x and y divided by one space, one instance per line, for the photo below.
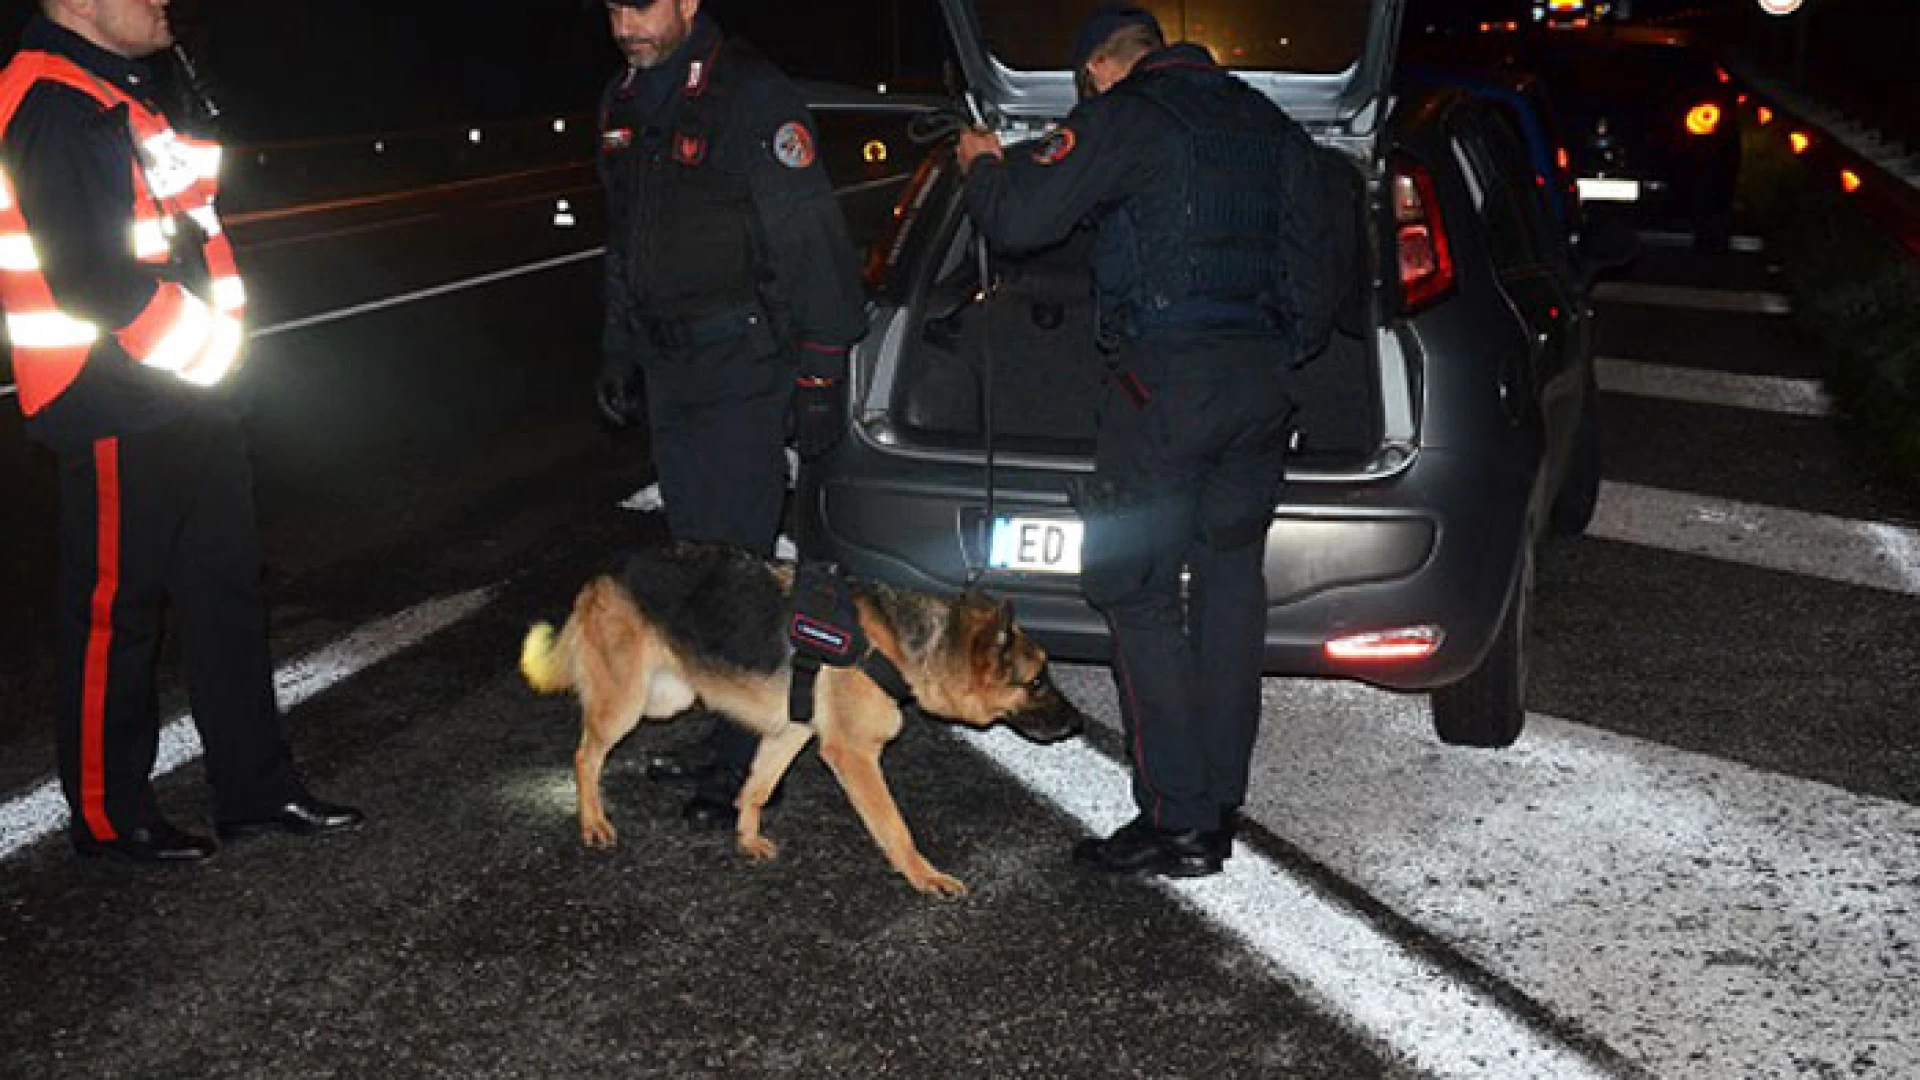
709 623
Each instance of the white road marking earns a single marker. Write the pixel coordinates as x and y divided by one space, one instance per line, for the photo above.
1698 916
335 234
464 284
358 202
1876 554
1743 302
645 501
43 810
1745 244
1794 397
1419 1012
427 294
411 219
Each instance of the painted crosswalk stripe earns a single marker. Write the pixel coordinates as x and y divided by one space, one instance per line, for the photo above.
43 810
1418 1011
1677 296
1879 555
1793 397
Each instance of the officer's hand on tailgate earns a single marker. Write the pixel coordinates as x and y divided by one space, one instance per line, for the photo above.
975 143
819 415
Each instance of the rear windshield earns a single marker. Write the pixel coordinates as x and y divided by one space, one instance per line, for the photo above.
1317 36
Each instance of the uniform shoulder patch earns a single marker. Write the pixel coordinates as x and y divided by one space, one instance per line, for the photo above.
793 145
1055 147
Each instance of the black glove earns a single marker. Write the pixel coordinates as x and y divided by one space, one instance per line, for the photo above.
819 415
617 391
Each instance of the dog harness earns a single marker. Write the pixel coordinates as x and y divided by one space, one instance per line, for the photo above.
825 629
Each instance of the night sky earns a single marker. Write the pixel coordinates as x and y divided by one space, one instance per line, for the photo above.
287 69
291 69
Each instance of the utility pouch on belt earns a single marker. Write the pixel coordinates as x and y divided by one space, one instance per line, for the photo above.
825 629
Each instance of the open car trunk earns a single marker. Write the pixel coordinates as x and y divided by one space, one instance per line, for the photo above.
1036 338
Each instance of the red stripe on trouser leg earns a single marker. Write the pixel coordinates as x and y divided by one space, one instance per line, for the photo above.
1139 747
106 584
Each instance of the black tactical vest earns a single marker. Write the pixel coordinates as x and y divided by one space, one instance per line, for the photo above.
1204 250
693 241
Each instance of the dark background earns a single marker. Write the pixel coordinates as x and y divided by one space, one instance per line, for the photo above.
291 69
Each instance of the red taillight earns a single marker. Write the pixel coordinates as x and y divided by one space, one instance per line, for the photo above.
1405 644
1560 155
1704 118
1764 115
1420 236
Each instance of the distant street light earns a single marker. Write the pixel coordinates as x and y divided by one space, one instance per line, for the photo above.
1779 7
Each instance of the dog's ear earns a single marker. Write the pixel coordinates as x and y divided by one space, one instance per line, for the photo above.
1003 626
990 637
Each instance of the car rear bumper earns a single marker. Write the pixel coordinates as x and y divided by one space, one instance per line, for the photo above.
1341 559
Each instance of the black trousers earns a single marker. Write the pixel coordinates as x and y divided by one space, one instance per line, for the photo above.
1186 482
147 518
718 418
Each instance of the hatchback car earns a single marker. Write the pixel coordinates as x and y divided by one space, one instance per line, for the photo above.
1445 429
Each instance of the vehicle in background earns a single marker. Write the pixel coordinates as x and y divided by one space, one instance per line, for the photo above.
1602 244
1651 121
1446 429
1534 118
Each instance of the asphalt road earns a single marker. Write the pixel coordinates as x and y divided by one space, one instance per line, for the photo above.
1702 860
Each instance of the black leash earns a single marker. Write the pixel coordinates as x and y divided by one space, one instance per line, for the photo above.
987 293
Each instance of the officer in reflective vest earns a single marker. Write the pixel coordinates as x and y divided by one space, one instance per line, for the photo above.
1184 171
732 293
124 313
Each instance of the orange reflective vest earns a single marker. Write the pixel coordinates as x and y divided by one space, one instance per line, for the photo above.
196 339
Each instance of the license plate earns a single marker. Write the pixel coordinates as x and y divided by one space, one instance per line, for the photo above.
1600 189
1036 545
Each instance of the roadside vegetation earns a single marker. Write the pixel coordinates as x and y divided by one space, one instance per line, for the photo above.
1855 293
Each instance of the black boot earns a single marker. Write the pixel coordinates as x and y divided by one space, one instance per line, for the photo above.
301 815
1139 848
1220 841
712 804
158 843
680 765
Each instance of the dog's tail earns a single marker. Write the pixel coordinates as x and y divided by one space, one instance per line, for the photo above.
544 661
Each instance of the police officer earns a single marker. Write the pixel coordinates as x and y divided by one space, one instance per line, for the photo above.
732 294
1182 170
124 313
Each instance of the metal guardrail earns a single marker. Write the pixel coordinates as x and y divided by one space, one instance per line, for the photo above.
1888 153
1883 174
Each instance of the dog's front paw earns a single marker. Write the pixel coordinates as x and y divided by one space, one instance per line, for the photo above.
759 848
934 883
598 833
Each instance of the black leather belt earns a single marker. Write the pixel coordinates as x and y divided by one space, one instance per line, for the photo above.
724 325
